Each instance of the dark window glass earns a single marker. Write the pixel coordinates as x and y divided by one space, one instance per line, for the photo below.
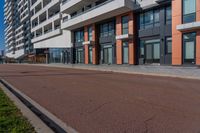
125 21
148 19
189 11
168 45
156 18
90 33
168 15
79 36
142 21
107 29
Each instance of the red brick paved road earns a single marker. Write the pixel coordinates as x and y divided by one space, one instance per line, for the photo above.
103 102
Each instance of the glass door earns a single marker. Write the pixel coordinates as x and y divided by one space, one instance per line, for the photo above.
152 51
125 53
156 53
107 55
189 46
79 55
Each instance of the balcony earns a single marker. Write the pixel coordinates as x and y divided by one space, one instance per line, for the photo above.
108 9
46 36
69 6
188 26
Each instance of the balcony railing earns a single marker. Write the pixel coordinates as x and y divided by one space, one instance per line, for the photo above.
88 10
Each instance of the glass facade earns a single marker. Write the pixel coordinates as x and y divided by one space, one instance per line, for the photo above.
56 55
189 46
189 11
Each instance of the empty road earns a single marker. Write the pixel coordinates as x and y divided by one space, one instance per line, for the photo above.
105 102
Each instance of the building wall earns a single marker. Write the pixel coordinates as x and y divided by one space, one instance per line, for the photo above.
177 35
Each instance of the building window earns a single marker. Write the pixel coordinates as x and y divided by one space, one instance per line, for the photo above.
79 36
142 21
125 52
125 20
150 19
189 11
168 16
90 33
189 46
156 18
168 45
107 29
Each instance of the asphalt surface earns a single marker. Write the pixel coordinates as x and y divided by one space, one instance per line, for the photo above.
105 102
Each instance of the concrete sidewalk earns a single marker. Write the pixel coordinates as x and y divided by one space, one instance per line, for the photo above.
154 70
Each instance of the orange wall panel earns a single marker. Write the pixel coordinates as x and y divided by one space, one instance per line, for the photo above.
118 42
86 54
176 35
198 48
198 10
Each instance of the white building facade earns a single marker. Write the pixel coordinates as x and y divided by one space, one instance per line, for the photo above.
48 38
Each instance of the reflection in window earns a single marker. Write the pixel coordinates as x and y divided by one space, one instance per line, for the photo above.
107 29
168 15
150 19
79 36
189 11
125 20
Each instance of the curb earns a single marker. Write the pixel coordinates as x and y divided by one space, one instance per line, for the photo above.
117 71
39 117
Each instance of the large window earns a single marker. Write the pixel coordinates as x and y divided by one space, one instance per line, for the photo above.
168 15
125 20
189 11
107 29
189 46
150 19
79 36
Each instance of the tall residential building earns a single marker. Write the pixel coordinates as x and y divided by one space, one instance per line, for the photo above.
17 32
49 41
134 32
